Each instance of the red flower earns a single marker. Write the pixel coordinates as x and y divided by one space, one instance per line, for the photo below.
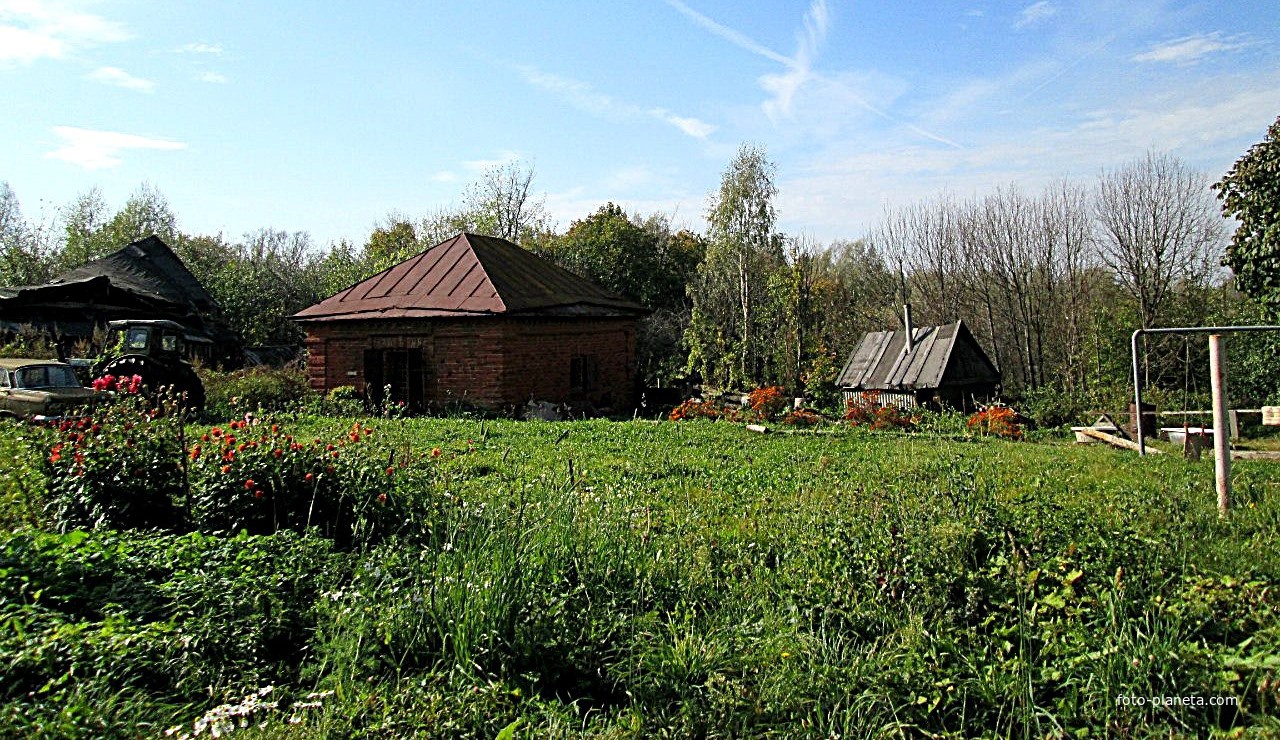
382 498
257 494
275 428
277 452
435 452
195 452
249 484
334 453
216 432
391 471
226 469
309 477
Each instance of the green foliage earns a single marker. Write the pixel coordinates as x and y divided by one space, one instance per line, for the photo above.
29 344
727 344
1250 193
117 467
344 400
256 389
259 478
22 476
618 579
107 632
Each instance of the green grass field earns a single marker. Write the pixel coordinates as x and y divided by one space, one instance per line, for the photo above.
639 579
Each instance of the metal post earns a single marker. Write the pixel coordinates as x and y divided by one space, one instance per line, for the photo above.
1137 394
1221 443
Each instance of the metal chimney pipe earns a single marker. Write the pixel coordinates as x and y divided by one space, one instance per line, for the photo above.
910 328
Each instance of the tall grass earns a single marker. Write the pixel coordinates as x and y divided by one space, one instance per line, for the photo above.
696 580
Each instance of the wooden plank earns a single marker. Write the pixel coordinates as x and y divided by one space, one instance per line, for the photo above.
1254 455
1115 441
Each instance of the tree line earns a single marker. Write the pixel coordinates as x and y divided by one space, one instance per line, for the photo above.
1051 282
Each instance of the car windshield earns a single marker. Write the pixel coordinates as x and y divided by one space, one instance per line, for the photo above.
47 376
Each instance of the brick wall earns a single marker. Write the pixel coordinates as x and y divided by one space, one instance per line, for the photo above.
495 362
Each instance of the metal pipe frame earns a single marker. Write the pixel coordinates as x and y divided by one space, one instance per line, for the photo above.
1137 375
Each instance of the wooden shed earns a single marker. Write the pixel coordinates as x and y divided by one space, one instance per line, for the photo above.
942 366
480 321
142 280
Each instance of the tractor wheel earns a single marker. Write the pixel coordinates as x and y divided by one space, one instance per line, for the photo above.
130 365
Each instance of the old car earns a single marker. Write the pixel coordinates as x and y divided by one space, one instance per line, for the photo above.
38 390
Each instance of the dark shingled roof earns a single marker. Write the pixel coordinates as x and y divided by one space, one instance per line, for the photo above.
471 275
937 352
147 266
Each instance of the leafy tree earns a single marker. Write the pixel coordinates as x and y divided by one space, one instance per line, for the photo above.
89 234
1159 228
725 336
391 243
85 237
624 254
1250 193
267 280
24 256
640 259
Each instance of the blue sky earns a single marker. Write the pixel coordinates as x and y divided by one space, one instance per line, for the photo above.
326 116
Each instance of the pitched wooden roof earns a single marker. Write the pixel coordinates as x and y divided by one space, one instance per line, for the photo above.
939 354
471 275
147 267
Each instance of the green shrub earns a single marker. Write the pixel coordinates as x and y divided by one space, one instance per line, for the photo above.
256 390
106 632
344 400
117 468
258 477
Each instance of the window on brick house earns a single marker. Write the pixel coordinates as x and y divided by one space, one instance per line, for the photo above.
584 373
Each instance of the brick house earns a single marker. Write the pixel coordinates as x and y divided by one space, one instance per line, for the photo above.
476 320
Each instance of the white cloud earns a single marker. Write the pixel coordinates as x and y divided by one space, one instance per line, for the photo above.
1191 49
1207 130
783 86
444 176
689 126
506 156
120 78
38 29
199 49
728 34
94 150
582 96
1034 14
214 78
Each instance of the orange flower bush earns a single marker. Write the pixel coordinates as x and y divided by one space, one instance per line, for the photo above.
865 409
767 402
692 409
997 420
801 418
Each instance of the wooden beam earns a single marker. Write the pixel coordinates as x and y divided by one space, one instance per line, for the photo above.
1255 455
1115 441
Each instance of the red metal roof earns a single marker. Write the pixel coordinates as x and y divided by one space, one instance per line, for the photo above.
470 275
